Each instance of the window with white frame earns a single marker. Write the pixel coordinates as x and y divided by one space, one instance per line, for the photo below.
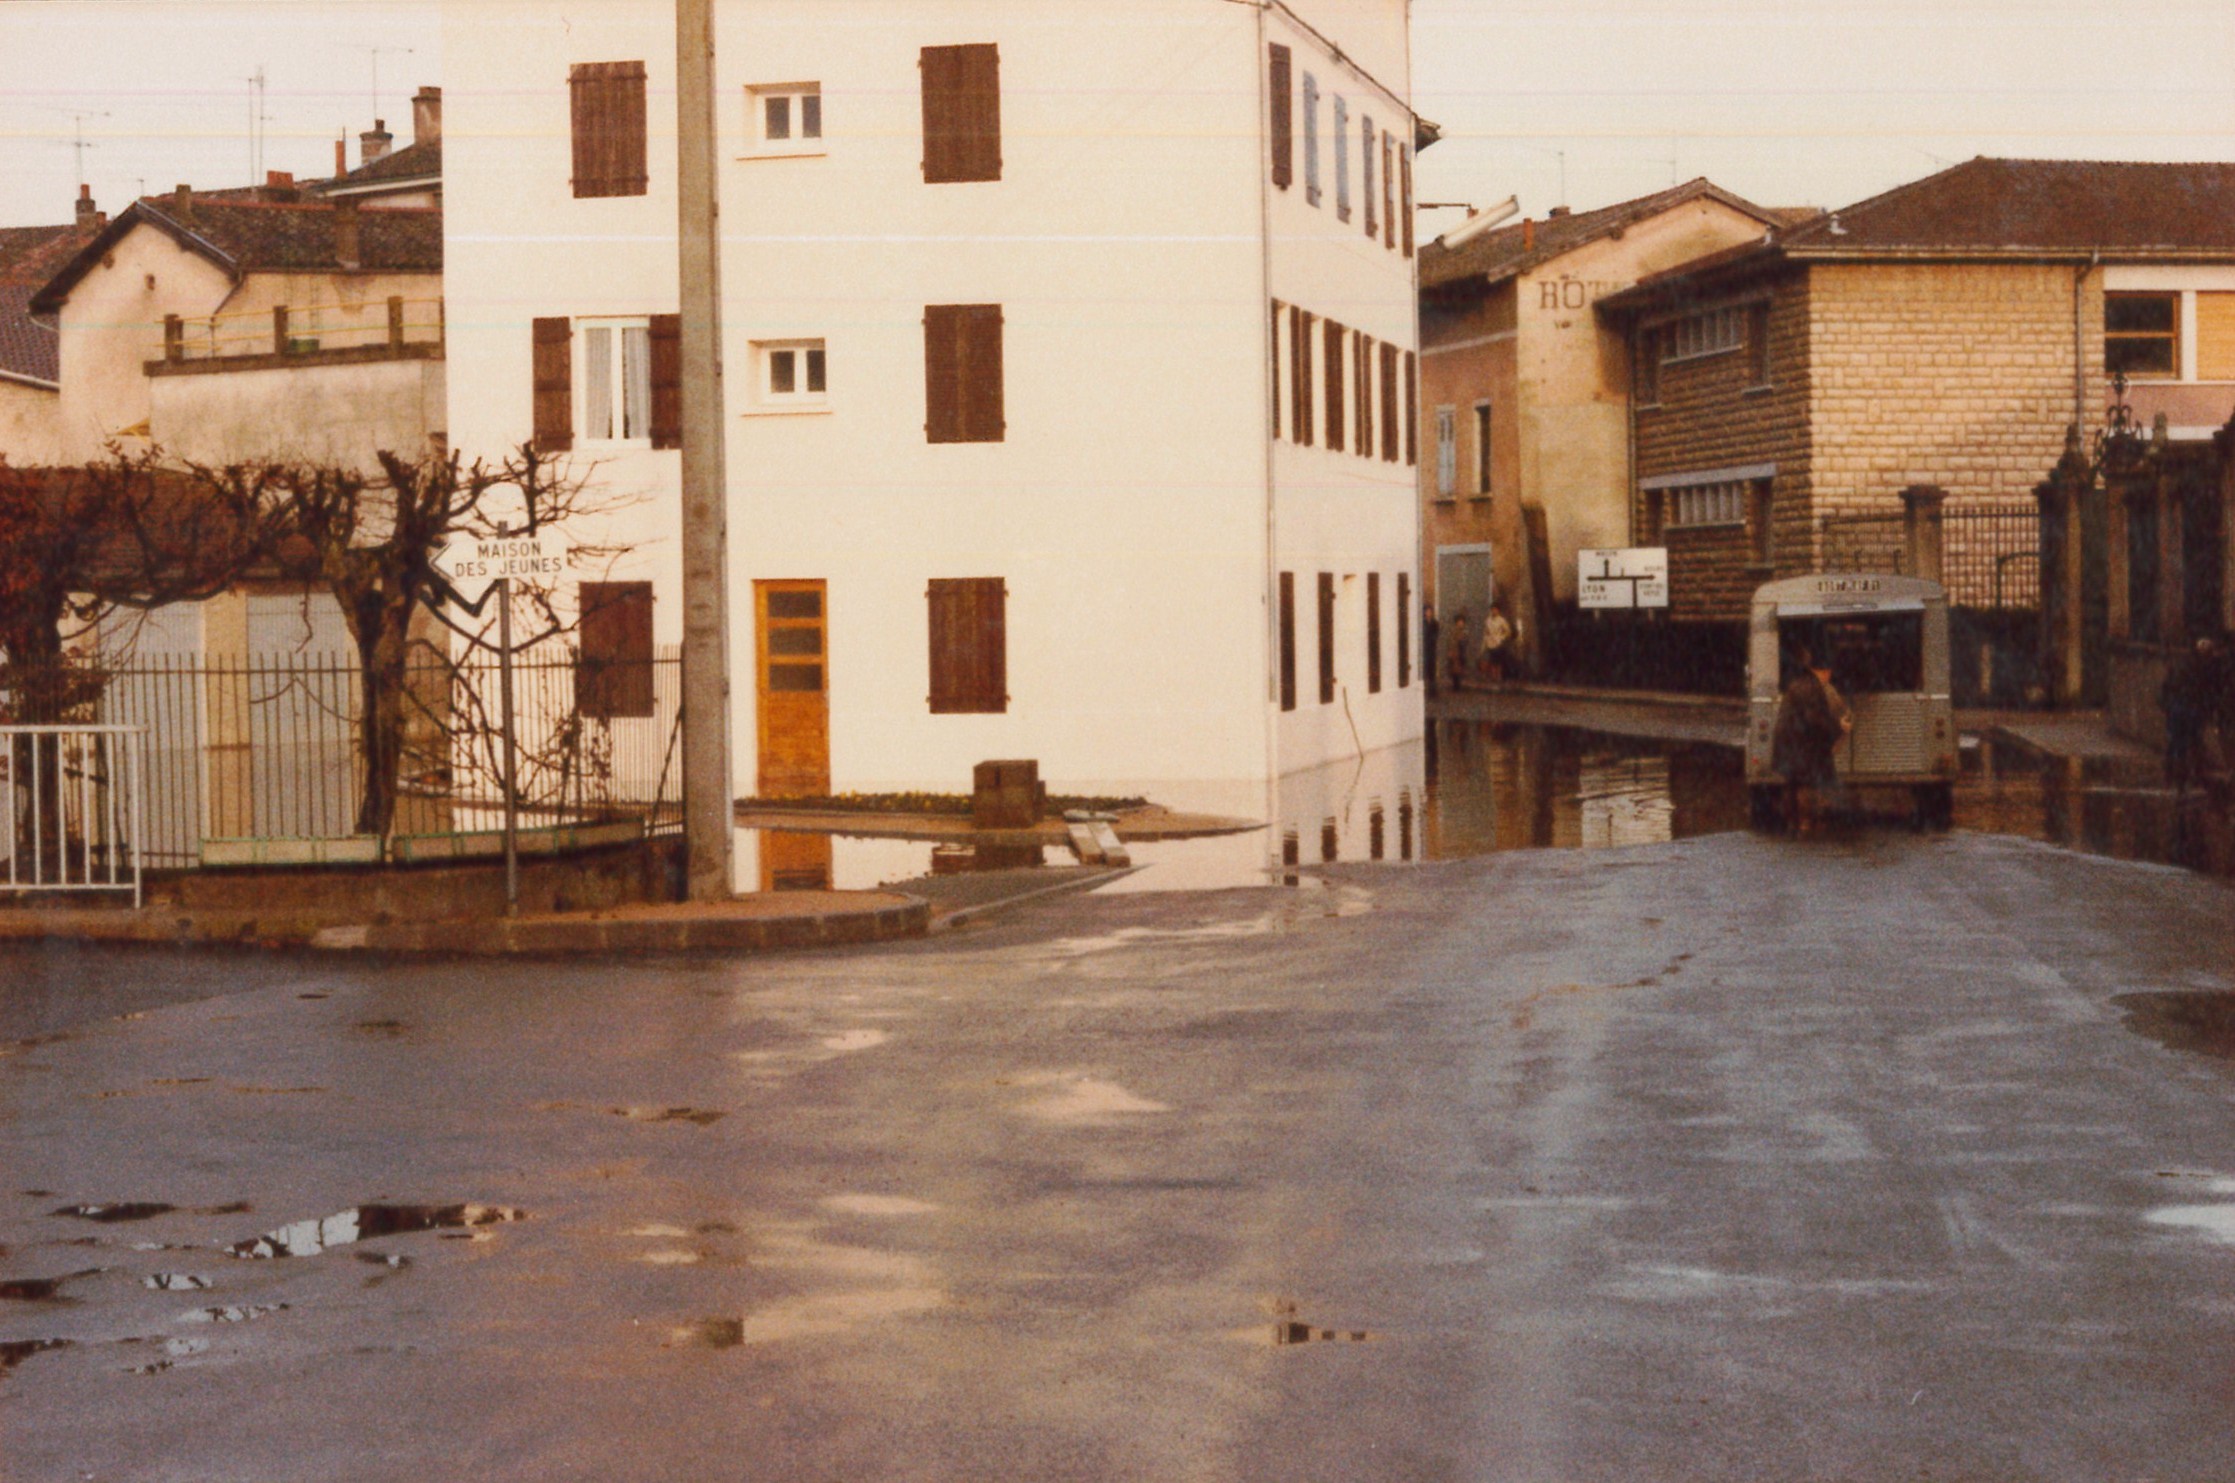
1342 158
1311 140
1710 332
1720 503
786 118
1447 452
616 380
791 374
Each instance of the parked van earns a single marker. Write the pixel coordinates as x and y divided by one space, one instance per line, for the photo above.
1885 639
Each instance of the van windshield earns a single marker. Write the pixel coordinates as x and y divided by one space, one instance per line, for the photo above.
1868 653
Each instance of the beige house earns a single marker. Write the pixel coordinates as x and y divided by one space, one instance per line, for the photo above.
30 354
1525 394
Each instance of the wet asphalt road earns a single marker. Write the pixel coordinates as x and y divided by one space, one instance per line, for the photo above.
1722 1159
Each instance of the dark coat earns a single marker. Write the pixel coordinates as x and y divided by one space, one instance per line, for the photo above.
1808 732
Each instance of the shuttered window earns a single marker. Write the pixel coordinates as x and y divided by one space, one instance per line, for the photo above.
1366 175
1284 119
1373 633
1342 158
1326 638
1311 140
969 645
1273 349
1362 371
553 375
608 108
613 670
1288 641
667 380
1300 362
962 373
1336 339
1404 630
1404 163
1390 437
1412 410
961 113
1388 191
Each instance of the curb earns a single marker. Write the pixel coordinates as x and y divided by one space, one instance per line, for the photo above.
893 916
962 915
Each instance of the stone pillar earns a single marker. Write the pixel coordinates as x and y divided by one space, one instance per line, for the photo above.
2061 570
2172 576
1924 534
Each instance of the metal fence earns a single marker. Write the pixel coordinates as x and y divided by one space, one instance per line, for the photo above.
70 808
1990 554
269 747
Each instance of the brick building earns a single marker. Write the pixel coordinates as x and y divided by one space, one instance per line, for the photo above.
1946 333
1525 393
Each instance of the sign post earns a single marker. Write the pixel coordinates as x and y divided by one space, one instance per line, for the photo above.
1623 577
472 564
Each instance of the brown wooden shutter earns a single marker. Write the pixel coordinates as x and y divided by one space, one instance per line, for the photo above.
607 104
969 645
1288 641
1362 363
1366 177
1326 638
667 380
1389 436
613 673
1272 350
1334 338
1404 160
554 385
1302 342
961 113
983 405
1388 190
1404 630
1373 633
1284 119
963 399
1412 410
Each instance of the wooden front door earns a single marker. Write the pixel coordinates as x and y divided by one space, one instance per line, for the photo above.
793 699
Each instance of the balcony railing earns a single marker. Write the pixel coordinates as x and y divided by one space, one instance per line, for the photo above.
391 324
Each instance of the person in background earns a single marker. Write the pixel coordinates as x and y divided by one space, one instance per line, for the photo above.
1429 630
1811 719
1497 634
1456 651
2189 700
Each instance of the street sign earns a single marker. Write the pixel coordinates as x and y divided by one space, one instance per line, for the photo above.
471 564
1622 577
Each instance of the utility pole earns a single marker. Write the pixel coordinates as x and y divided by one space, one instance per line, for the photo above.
709 814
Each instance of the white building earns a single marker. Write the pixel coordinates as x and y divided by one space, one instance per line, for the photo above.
1052 334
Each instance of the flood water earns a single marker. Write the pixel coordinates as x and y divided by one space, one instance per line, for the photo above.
1477 787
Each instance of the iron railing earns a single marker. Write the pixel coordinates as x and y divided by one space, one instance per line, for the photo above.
1990 554
269 746
71 808
300 329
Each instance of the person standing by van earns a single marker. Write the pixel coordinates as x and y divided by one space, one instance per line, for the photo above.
1811 719
1457 656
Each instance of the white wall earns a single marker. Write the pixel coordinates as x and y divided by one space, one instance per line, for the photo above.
339 414
30 423
1126 508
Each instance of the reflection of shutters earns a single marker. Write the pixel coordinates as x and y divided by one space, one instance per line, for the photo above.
613 676
1288 641
969 645
1284 122
961 113
1334 337
554 385
1389 439
962 373
1326 638
667 380
607 101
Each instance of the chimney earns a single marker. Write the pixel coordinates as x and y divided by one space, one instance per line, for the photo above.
279 185
341 157
373 143
87 211
1528 234
426 116
346 247
1557 211
182 202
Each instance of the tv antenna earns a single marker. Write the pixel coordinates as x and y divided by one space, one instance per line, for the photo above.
375 52
257 119
78 142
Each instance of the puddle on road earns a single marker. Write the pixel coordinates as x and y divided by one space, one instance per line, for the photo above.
365 1223
2201 1021
110 1214
14 1352
1288 1329
174 1281
233 1313
41 1289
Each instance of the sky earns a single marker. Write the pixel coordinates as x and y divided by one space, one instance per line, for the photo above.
1581 102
